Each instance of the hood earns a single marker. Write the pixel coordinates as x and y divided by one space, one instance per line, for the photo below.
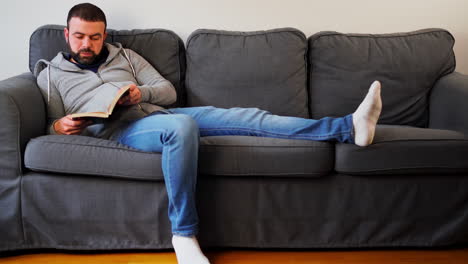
63 64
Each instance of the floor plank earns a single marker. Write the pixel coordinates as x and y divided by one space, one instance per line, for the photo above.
450 256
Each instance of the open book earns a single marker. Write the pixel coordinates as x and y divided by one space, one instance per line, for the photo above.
103 103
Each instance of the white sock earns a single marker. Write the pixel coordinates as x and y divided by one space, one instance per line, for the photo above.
366 116
188 250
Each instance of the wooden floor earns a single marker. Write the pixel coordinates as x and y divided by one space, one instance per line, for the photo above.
452 256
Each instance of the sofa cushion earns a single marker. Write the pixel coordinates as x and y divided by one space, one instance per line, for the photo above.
264 69
161 48
91 156
342 67
258 156
220 155
406 150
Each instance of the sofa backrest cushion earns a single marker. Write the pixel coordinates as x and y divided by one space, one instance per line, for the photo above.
342 67
264 69
161 48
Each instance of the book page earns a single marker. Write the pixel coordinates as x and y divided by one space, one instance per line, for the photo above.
103 101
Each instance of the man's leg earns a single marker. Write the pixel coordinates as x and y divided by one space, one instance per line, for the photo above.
177 137
255 122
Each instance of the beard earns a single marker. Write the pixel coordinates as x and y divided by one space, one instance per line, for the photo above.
90 60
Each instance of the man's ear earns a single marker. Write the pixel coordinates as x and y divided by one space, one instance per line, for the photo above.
105 36
65 33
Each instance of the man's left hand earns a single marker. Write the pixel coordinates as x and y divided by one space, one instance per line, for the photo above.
133 96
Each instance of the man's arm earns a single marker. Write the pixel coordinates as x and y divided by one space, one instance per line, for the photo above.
55 109
57 122
154 88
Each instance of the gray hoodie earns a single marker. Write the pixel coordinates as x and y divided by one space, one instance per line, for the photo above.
67 89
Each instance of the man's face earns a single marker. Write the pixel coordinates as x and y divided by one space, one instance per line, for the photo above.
85 39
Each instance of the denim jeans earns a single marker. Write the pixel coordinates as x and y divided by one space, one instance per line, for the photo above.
176 132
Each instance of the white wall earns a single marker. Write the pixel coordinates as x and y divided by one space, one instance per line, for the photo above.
19 18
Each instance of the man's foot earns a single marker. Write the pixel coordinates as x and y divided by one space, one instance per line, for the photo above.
188 251
366 116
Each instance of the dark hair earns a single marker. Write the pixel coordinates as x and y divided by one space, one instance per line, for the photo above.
87 12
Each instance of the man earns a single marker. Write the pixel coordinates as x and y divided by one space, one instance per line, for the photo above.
71 79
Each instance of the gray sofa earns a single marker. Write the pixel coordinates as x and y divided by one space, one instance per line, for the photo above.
408 189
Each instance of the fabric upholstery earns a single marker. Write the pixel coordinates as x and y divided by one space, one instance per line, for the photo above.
332 212
45 42
255 156
342 67
67 211
91 156
222 155
23 117
448 108
338 211
264 69
406 150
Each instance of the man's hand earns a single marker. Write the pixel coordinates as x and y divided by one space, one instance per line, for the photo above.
69 126
133 96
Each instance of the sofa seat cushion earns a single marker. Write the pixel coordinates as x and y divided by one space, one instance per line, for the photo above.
221 155
405 150
257 156
91 156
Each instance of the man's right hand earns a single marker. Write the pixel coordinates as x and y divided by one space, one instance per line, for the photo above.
69 126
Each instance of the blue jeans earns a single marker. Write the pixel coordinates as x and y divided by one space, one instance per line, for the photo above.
176 134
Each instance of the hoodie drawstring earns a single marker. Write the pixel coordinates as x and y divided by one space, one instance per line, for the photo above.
131 66
134 75
48 83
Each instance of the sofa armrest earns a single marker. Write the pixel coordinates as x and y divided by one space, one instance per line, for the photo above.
448 107
23 116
